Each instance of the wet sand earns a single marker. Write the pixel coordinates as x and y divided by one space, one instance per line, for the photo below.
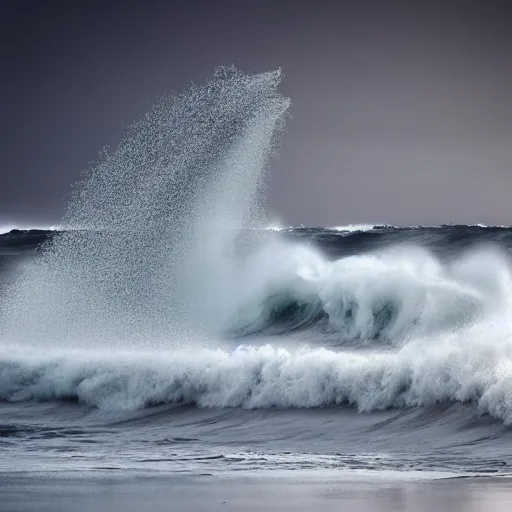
103 492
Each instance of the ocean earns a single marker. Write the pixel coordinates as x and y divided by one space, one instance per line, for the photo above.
165 328
385 349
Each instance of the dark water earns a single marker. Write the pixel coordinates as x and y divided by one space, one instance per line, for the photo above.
385 349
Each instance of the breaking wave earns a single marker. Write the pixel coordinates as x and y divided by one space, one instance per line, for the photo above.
388 295
469 366
426 331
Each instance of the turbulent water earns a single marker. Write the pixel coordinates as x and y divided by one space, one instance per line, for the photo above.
165 328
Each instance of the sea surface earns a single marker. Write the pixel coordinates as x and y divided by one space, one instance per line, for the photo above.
372 350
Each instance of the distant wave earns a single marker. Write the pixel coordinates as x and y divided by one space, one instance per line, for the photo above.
10 227
433 226
351 228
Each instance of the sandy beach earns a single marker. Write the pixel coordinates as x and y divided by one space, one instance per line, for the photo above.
101 492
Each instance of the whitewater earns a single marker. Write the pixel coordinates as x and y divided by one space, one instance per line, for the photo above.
165 326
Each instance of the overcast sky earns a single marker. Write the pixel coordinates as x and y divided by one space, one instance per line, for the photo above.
402 113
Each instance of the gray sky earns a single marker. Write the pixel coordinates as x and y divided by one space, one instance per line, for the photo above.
402 112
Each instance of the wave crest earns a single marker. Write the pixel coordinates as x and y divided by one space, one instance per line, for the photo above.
390 295
460 369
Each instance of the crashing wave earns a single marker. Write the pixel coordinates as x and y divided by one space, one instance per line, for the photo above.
388 295
474 365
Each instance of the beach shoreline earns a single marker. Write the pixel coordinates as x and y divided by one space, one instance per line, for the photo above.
104 491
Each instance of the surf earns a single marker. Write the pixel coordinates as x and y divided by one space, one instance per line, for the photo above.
473 365
165 285
387 296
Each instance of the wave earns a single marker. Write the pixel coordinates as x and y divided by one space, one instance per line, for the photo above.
389 295
277 228
12 227
279 286
351 228
471 366
411 329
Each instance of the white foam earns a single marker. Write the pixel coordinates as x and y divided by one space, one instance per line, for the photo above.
277 227
471 365
352 228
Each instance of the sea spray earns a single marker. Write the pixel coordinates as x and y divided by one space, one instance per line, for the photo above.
150 231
